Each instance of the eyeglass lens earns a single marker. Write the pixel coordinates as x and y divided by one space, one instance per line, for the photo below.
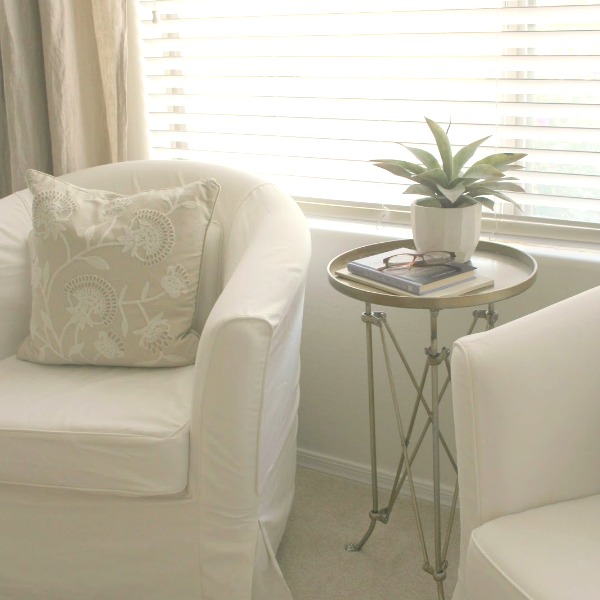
427 258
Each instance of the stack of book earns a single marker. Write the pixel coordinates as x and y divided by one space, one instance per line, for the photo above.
451 279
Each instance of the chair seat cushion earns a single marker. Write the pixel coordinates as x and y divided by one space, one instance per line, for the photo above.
549 553
104 429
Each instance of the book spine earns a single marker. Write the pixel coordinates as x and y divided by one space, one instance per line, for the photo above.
383 277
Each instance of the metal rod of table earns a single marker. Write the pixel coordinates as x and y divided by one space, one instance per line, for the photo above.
439 571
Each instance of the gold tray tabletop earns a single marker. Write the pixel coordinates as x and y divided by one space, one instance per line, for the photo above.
513 272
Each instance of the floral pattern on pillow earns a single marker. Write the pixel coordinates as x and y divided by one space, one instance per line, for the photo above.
114 278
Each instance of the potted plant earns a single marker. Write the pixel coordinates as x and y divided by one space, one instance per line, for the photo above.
448 215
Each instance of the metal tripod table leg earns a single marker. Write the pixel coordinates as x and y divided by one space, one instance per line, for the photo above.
434 358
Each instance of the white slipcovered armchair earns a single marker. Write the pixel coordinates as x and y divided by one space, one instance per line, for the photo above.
126 483
527 417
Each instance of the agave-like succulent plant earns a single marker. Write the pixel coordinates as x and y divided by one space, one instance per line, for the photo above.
451 184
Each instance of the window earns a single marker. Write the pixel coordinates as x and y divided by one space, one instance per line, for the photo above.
308 91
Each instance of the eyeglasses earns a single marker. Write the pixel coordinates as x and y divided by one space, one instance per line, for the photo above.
407 260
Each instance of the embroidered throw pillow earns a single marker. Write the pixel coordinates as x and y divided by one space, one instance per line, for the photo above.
114 278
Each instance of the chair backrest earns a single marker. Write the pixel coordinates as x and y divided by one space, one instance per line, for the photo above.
526 412
221 253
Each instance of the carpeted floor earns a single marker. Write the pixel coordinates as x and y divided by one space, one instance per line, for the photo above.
329 512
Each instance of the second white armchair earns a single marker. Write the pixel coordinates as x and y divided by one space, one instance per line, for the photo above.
527 416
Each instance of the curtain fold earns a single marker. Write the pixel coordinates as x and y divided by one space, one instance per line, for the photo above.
63 87
24 125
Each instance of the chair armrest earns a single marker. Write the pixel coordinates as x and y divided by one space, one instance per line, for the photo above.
526 399
247 367
247 381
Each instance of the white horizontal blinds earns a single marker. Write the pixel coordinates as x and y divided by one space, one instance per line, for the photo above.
551 108
309 91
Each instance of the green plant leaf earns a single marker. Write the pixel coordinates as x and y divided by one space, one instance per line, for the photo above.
464 154
409 166
483 171
435 176
444 147
466 181
501 196
487 202
507 186
421 188
480 190
445 203
454 193
428 159
467 199
439 201
502 159
392 167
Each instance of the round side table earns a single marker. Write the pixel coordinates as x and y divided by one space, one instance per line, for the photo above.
513 272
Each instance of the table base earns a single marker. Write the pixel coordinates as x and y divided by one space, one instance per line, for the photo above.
434 359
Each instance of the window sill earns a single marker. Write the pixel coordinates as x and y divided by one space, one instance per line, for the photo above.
576 240
536 246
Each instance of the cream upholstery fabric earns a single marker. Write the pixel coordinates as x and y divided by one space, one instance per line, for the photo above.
123 431
115 277
527 421
549 552
230 419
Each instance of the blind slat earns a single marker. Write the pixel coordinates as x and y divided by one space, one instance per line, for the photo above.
309 44
445 89
573 67
367 109
192 19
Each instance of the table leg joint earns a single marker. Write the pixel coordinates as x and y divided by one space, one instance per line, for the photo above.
374 318
489 315
434 359
437 575
381 515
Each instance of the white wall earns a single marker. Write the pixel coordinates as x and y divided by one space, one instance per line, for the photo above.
334 432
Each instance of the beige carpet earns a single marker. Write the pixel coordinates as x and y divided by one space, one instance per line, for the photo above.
330 511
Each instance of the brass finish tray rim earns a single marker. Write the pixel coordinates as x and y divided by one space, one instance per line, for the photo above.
484 296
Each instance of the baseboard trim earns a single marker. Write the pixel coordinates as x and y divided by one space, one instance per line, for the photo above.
362 474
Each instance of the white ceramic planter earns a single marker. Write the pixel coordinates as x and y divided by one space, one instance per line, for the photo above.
454 229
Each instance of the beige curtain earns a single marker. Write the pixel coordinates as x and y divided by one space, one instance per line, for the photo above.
63 86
